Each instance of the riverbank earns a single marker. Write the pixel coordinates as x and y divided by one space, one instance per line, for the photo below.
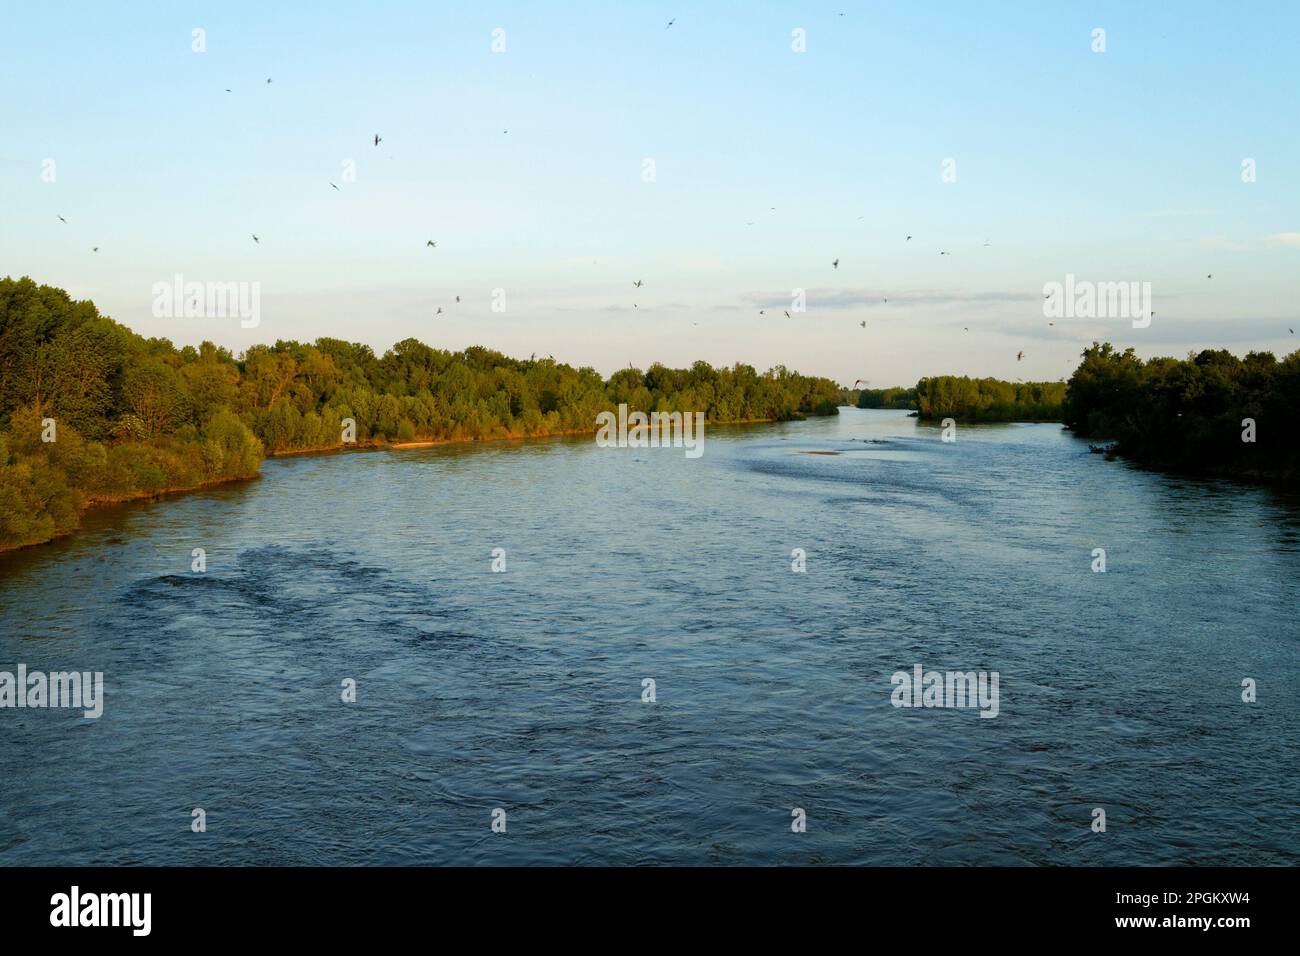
98 502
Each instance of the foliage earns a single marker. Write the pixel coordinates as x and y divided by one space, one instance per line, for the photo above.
138 416
988 399
1189 413
887 398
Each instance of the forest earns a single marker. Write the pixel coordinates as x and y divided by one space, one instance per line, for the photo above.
886 398
988 399
91 412
1211 412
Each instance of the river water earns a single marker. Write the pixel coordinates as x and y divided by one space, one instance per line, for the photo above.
523 690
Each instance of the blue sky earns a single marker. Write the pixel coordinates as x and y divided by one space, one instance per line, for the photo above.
1118 166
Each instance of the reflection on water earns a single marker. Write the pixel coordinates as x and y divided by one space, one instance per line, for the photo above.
523 690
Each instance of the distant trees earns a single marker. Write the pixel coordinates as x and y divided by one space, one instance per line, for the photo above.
988 399
1190 413
887 398
138 416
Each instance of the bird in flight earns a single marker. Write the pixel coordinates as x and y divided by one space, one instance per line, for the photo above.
334 186
378 139
439 312
863 323
908 239
62 220
96 249
761 312
859 382
835 264
268 79
787 314
1019 356
671 22
457 298
1210 276
227 89
966 328
431 243
637 283
257 240
944 253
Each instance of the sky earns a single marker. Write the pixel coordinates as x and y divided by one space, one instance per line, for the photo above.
528 168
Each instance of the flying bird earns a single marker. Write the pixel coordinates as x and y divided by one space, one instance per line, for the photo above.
908 239
268 79
671 22
787 314
96 249
637 283
944 253
334 186
431 243
863 323
1019 356
966 328
761 312
457 298
439 312
257 240
378 139
835 264
62 220
1210 276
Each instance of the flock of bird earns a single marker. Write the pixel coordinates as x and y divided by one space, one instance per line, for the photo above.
835 263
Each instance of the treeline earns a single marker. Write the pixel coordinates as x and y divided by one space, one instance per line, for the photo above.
132 417
904 398
1191 413
989 399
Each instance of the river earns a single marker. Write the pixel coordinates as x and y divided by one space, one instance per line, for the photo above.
523 690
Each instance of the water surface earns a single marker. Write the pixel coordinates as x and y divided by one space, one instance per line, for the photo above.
522 690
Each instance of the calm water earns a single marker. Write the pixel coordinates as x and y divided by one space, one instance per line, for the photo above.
522 690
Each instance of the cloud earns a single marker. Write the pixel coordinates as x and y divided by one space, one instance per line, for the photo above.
1168 332
853 298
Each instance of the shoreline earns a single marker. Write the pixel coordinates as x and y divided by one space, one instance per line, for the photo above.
99 504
